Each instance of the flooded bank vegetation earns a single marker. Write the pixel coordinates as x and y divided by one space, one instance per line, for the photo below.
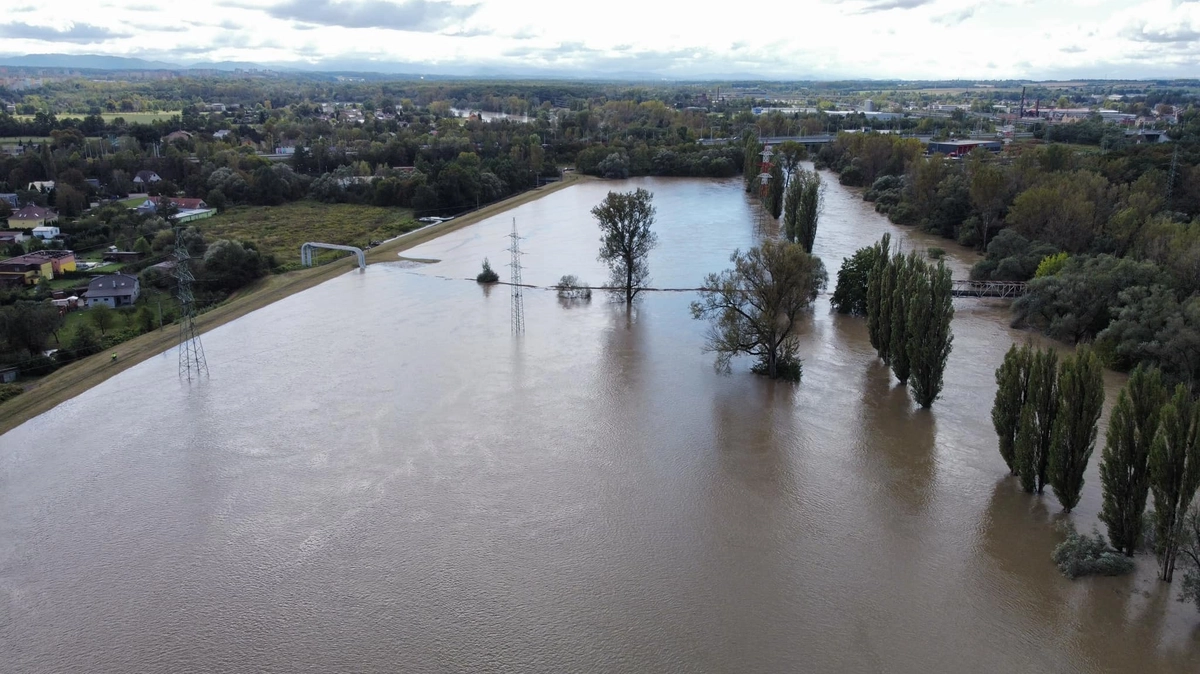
1120 228
754 307
907 303
1152 446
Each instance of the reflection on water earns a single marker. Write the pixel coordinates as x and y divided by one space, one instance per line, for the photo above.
379 477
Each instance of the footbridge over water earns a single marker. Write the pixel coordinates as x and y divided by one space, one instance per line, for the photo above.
308 252
997 289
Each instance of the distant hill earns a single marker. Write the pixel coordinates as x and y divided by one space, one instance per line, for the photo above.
85 61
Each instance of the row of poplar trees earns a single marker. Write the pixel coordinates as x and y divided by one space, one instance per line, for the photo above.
909 309
1046 416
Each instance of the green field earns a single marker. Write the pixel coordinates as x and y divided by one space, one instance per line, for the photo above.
142 117
280 230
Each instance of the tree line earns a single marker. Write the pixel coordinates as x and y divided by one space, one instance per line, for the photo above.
1046 416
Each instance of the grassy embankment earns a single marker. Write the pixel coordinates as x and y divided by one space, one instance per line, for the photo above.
79 376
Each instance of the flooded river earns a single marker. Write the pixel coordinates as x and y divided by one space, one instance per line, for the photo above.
378 477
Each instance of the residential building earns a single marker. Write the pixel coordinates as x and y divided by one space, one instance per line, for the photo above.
182 203
33 217
11 198
41 185
12 236
8 375
24 271
60 260
115 290
177 136
145 177
218 135
46 232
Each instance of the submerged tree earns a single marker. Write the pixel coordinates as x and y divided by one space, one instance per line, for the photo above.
803 208
885 319
930 309
1012 387
487 274
1031 450
1124 461
850 295
908 267
773 200
626 239
1081 388
1174 466
755 305
1189 557
880 257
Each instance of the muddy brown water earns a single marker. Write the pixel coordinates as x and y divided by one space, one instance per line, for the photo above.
378 477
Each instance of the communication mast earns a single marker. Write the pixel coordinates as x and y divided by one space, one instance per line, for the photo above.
518 297
191 351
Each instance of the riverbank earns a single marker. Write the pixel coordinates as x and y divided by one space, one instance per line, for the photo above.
77 377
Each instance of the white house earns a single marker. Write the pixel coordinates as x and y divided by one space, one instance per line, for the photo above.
115 290
46 232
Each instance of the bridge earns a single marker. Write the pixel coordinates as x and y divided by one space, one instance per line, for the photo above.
308 252
997 289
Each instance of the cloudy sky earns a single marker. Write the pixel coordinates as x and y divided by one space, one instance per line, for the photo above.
821 39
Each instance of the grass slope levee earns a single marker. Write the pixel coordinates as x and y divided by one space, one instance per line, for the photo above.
73 379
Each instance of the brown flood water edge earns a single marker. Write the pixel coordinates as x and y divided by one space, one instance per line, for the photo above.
75 378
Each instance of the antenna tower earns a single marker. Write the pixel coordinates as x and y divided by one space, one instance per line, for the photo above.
191 351
518 298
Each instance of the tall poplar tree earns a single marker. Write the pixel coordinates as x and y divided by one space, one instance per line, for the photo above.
907 269
1031 450
1124 461
775 186
1025 447
752 165
791 210
887 287
1012 386
1081 388
880 256
930 310
1174 475
808 208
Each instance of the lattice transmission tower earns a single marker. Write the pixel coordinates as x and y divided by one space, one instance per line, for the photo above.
1171 175
518 297
191 351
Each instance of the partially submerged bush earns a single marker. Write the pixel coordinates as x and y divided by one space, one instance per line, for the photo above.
935 253
488 275
1083 555
571 288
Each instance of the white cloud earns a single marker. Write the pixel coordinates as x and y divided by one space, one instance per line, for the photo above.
773 39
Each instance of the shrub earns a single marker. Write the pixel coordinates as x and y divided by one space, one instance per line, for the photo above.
1082 555
487 275
10 391
935 253
1051 265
